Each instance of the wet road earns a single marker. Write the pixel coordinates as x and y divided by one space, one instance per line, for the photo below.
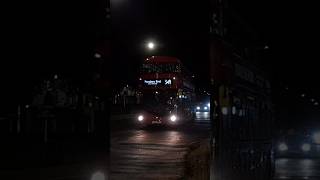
297 169
156 153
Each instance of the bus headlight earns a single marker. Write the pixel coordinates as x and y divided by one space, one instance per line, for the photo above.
173 118
198 108
140 118
283 147
306 147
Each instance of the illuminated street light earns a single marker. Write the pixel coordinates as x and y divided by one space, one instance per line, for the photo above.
312 100
140 118
303 95
151 45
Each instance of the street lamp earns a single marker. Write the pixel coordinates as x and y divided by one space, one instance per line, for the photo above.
151 45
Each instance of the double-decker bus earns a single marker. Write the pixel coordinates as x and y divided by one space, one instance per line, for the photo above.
166 92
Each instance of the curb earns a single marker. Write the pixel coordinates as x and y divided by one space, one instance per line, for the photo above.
197 165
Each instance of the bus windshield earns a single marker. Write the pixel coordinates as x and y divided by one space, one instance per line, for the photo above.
158 103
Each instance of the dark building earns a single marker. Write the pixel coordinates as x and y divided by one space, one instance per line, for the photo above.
242 118
55 87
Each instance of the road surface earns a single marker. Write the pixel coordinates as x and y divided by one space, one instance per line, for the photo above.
154 153
297 169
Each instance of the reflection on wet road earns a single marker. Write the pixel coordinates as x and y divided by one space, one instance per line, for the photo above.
297 169
202 118
155 153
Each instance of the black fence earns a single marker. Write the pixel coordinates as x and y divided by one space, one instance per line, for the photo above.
46 136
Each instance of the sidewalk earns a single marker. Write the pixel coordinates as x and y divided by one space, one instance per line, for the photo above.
198 161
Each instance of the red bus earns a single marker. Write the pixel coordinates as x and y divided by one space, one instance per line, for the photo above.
166 90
